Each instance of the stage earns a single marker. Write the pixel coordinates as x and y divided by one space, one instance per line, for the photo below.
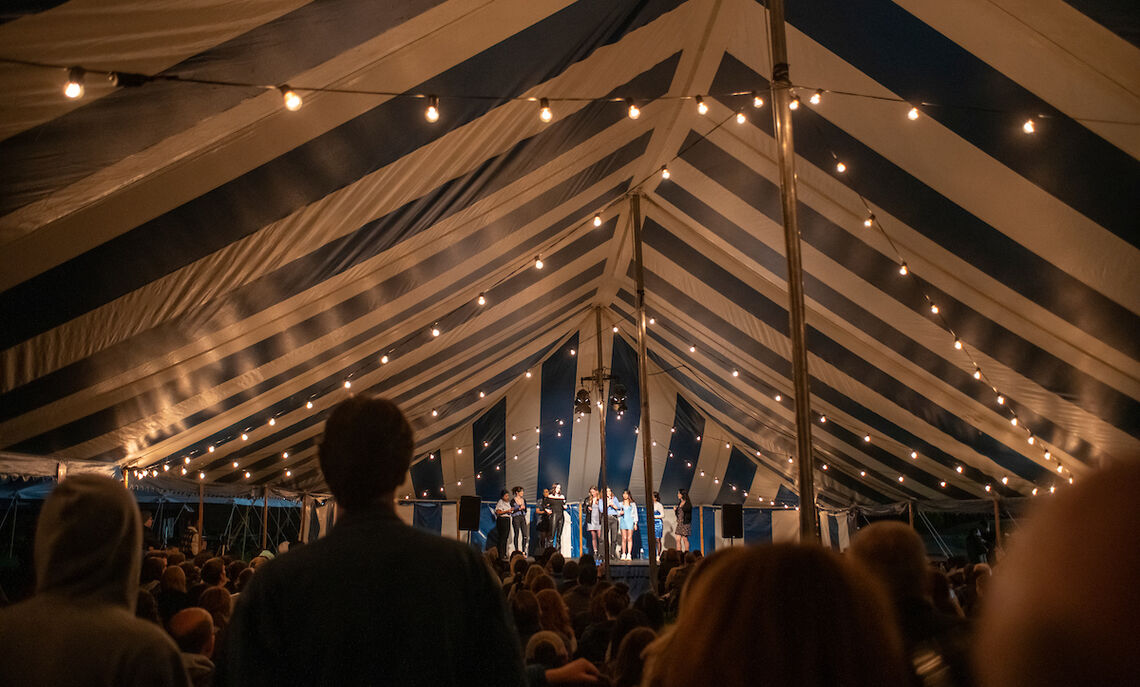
633 573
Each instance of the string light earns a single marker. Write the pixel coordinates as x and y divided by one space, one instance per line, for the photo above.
778 398
615 329
900 479
210 448
1031 440
692 349
840 167
384 359
74 87
987 488
272 421
481 300
1028 127
201 475
1005 480
866 438
481 394
309 404
822 419
757 101
528 375
959 469
434 412
244 436
1000 400
816 97
702 108
942 484
933 309
664 172
736 373
186 459
166 467
183 471
1013 421
284 455
958 344
902 269
235 463
1034 492
912 114
289 473
538 264
794 103
870 221
247 474
597 220
435 331
544 112
432 112
290 98
347 384
862 473
634 113
740 118
914 455
977 372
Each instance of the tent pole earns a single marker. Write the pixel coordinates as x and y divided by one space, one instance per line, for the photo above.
201 517
910 511
600 380
265 518
997 526
643 379
782 116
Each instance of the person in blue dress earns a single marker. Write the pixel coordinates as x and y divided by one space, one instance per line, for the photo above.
628 519
658 521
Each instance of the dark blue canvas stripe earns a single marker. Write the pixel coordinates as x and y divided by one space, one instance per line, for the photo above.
304 175
683 447
427 476
621 441
832 531
921 65
428 517
738 473
757 526
490 429
14 9
1118 16
1013 351
556 404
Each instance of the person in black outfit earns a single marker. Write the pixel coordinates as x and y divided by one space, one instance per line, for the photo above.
371 585
556 504
521 530
503 510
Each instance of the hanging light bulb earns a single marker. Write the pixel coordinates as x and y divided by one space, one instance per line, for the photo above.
692 349
914 455
347 384
166 467
1013 421
702 108
816 97
862 473
272 421
247 474
183 471
289 473
900 479
481 300
958 344
1005 480
74 87
779 398
235 463
736 373
664 172
528 377
794 103
432 112
988 488
1048 455
933 309
866 438
597 220
186 459
912 114
201 475
210 449
384 359
977 373
482 395
244 436
290 98
902 269
825 466
740 118
435 331
870 221
434 412
840 167
757 101
959 469
634 113
615 329
1034 492
544 112
1028 127
942 484
309 404
822 419
538 264
284 455
1000 400
1031 440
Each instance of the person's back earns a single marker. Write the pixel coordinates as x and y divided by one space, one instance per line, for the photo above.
376 601
80 627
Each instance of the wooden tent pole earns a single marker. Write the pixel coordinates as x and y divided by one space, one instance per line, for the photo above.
265 518
786 154
643 382
201 517
600 381
997 526
910 511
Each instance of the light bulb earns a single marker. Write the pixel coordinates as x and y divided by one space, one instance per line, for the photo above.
284 455
544 112
538 264
432 111
186 460
866 438
870 221
958 344
692 349
434 412
166 468
1013 421
652 320
597 220
1034 491
309 404
959 469
482 395
201 475
933 309
664 172
726 445
384 359
912 114
74 88
825 466
942 484
779 398
634 113
183 471
1028 126
862 473
840 167
481 300
615 329
822 419
977 373
1001 400
244 436
900 479
210 449
272 421
903 270
235 463
988 487
740 118
435 331
573 352
1048 456
291 99
914 455
757 101
1031 440
528 377
702 108
347 384
794 104
1005 480
816 97
736 373
289 473
247 474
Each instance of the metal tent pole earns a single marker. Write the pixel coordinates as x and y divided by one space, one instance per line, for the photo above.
782 116
643 383
600 381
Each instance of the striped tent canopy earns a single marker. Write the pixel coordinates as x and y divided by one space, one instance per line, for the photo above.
192 275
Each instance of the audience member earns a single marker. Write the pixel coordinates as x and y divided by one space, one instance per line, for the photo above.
146 607
193 631
553 616
172 597
782 614
219 604
625 622
524 610
937 644
1062 608
233 570
152 569
650 604
595 640
542 582
547 650
627 667
577 598
942 595
80 625
243 580
569 576
371 582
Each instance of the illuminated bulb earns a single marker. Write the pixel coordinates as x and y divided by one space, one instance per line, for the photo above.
538 264
692 349
186 460
1001 400
634 113
459 451
779 398
74 87
840 167
933 309
1034 491
900 479
615 329
862 473
247 474
1052 489
528 375
902 269
958 344
201 475
740 118
698 437
573 352
825 466
794 104
384 360
726 445
959 469
434 412
481 394
822 418
914 455
1070 480
870 221
536 430
977 373
244 436
1031 440
702 108
757 454
664 172
789 460
210 449
459 483
597 220
1060 469
435 331
1028 127
816 98
347 384
987 487
289 473
432 111
166 468
183 471
481 300
1048 455
309 405
866 438
235 463
942 484
757 101
1013 421
1005 480
912 114
716 480
272 421
652 320
291 99
736 373
544 112
284 454
702 473
514 437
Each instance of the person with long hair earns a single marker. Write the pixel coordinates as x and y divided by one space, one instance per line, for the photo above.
628 524
684 512
542 508
592 515
553 615
519 526
797 614
556 504
658 520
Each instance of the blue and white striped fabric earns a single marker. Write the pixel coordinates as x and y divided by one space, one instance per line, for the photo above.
185 268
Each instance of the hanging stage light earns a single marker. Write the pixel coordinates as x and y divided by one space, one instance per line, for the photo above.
582 401
617 398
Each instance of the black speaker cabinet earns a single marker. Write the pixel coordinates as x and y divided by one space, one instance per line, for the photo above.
732 521
469 513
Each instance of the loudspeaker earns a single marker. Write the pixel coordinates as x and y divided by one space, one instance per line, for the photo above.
469 513
732 521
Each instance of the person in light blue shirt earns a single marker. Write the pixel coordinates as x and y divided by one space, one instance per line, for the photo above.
628 524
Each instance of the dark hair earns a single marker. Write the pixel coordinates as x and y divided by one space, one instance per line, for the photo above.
504 493
628 664
515 490
234 569
218 603
570 570
366 450
656 496
894 553
524 608
243 579
627 620
152 567
587 574
614 601
212 571
650 604
146 607
557 562
684 494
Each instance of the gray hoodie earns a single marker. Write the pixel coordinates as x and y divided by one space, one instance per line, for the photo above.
80 628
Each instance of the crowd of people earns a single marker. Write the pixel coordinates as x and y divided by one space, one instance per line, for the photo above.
379 602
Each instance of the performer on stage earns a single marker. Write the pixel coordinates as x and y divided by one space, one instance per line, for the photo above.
542 508
592 517
684 512
658 520
628 524
613 514
556 504
503 511
518 520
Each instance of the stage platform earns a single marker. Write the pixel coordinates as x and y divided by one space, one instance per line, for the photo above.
633 573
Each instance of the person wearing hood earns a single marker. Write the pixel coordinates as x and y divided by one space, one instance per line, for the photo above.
80 628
